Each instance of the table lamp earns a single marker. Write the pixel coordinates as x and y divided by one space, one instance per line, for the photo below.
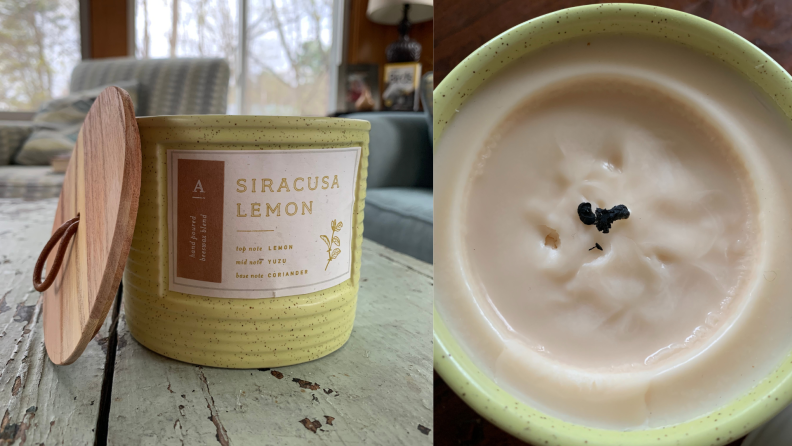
402 13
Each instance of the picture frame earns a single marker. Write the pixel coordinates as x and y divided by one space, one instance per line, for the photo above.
401 86
358 88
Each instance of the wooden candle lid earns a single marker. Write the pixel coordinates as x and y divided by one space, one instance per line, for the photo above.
102 186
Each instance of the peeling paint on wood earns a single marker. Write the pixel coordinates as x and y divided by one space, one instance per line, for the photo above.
311 425
43 403
306 384
375 390
159 401
214 417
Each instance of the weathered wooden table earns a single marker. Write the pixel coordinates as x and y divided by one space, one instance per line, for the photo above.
377 389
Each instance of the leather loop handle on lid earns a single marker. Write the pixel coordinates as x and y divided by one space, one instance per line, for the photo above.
64 234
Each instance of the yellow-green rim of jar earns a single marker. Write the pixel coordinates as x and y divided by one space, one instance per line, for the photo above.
720 427
255 121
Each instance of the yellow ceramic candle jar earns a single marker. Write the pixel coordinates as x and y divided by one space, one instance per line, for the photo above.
246 251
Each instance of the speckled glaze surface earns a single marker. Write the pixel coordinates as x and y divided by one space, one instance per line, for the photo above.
226 332
718 428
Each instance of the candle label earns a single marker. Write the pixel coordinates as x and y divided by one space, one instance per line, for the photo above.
253 224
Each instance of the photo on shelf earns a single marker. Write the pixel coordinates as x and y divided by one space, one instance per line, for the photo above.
401 81
358 88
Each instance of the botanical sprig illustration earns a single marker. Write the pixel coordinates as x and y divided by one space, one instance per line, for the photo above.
332 240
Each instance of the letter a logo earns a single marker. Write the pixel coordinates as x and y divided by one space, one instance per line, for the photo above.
198 187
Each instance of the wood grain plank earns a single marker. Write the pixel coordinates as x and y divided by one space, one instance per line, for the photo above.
102 187
108 28
377 388
43 403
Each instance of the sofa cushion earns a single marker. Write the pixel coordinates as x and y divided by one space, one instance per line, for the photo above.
29 182
401 219
175 86
12 135
400 152
57 123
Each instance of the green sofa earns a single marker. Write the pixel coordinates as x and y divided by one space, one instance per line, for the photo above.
398 212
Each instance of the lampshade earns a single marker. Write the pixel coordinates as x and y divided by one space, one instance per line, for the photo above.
390 12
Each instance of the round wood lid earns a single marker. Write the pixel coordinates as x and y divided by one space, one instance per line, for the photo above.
102 186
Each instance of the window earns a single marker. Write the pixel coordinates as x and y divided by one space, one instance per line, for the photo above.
283 53
189 28
39 46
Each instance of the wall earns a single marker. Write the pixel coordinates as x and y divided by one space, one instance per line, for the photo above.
367 40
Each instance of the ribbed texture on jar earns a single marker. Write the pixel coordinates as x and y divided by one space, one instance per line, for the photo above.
228 332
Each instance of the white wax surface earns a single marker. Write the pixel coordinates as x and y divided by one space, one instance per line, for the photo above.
684 309
664 277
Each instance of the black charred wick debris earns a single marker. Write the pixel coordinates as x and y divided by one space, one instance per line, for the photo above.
596 245
603 218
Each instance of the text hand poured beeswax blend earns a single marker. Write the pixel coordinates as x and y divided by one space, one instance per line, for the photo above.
615 215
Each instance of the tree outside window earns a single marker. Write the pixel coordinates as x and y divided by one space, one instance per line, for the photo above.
289 56
288 47
39 46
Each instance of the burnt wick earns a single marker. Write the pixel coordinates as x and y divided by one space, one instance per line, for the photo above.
596 245
603 218
585 214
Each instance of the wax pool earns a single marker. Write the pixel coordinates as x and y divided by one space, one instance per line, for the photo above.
664 276
677 313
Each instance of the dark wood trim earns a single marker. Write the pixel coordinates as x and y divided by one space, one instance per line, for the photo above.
85 28
107 28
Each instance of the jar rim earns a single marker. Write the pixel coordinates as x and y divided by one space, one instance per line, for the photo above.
253 121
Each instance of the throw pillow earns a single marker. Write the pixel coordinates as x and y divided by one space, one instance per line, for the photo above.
12 135
58 122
